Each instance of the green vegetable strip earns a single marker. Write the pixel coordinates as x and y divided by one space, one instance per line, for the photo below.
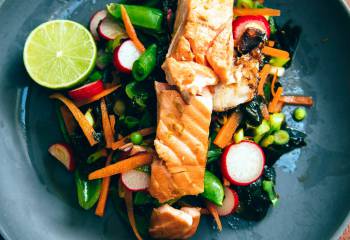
62 125
88 191
268 187
213 189
140 16
144 66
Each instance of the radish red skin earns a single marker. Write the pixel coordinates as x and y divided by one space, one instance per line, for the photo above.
95 21
238 25
117 63
69 162
144 186
235 202
224 169
86 91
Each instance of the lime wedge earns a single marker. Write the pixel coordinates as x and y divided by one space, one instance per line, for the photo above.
59 54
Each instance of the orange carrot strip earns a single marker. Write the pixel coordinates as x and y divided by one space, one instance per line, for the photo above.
274 52
68 119
97 97
273 83
214 212
256 11
112 121
130 209
226 132
263 77
297 100
270 43
265 112
106 125
122 166
144 132
279 106
275 100
101 205
130 29
88 130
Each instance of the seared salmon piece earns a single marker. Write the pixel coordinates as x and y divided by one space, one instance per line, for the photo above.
181 144
202 44
170 223
229 96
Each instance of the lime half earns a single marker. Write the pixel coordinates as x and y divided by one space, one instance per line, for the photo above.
59 54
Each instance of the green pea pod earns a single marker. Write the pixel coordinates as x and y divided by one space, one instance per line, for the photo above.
88 191
213 189
144 66
140 16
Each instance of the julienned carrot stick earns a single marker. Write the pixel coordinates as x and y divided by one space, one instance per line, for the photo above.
88 130
130 209
106 125
297 100
226 132
130 29
97 97
274 52
112 121
122 166
214 212
279 106
68 119
275 100
263 76
265 112
273 83
101 205
144 132
256 11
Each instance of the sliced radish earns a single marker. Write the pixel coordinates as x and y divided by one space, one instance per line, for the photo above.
109 29
63 153
86 91
135 180
125 55
230 203
243 163
95 21
241 24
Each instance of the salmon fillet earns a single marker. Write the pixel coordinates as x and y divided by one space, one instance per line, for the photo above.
181 144
170 223
202 36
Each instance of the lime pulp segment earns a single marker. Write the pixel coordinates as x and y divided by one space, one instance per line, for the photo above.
60 54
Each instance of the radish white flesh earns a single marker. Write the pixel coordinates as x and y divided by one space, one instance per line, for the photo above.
243 163
110 29
229 204
96 19
63 153
135 180
125 56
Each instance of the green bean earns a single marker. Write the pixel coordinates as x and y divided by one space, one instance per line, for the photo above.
213 189
144 66
62 124
96 156
276 120
281 137
140 16
239 135
299 114
267 141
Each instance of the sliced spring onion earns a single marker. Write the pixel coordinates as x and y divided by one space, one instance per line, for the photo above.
281 137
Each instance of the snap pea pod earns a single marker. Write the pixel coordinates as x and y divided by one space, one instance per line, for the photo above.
213 189
140 16
88 191
143 66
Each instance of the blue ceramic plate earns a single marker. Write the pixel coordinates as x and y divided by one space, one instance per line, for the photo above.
37 196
